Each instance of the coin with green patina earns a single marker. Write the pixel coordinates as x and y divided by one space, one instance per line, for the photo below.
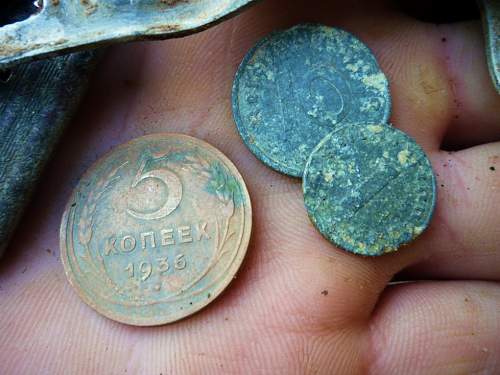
295 86
369 188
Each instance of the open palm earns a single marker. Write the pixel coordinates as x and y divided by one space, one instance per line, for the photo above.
299 305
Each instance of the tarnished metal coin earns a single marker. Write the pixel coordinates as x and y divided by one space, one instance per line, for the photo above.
369 189
156 229
295 86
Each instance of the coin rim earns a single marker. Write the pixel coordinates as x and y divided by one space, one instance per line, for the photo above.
331 238
222 285
240 123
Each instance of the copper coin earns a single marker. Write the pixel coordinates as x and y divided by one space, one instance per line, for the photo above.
156 229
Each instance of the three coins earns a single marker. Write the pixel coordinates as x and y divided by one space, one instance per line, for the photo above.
156 229
312 102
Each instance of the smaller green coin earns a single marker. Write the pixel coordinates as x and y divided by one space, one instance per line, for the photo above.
369 188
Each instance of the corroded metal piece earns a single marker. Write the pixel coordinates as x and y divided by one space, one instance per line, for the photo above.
156 229
36 102
295 86
490 10
369 189
66 25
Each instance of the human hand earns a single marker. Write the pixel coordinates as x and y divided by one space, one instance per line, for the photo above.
299 305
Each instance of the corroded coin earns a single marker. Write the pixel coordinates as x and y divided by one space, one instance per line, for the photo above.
369 189
295 86
156 229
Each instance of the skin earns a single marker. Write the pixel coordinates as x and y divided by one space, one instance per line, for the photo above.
299 305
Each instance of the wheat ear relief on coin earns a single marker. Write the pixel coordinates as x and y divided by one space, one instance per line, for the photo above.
156 229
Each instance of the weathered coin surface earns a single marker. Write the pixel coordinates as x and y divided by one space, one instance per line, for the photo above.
295 86
156 229
369 189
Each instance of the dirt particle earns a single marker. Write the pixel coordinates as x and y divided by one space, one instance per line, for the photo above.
209 295
324 292
48 251
492 168
24 270
444 40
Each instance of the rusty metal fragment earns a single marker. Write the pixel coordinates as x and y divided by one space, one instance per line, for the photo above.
67 25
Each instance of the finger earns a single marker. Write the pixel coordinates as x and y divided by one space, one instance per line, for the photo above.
440 85
285 295
293 280
476 104
200 70
463 239
437 328
436 76
184 86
